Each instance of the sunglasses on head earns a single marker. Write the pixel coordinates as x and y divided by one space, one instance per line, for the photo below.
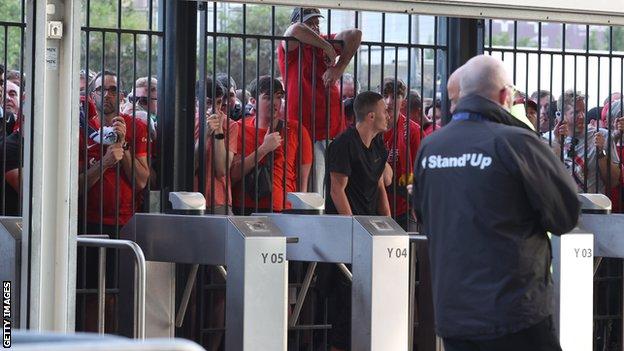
143 100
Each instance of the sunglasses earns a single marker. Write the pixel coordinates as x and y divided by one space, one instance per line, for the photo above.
142 100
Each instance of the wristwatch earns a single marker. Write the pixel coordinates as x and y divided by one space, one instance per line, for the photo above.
601 154
219 136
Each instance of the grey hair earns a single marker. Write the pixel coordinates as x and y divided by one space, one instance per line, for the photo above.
616 109
348 78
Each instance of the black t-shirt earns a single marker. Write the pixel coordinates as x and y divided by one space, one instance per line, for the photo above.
364 166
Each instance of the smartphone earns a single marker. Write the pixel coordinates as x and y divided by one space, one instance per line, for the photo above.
280 125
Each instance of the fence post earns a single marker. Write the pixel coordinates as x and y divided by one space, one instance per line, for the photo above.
50 190
177 131
465 40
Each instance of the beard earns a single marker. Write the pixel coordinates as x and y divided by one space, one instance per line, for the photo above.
107 107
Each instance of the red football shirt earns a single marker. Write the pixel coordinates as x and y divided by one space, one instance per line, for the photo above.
222 186
404 157
290 150
312 95
107 199
618 190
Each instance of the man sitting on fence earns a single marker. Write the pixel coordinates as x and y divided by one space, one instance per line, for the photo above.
318 56
261 139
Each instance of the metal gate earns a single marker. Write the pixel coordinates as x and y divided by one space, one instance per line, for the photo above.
12 94
122 60
548 60
234 46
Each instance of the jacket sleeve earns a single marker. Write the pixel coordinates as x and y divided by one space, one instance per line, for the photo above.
550 189
417 192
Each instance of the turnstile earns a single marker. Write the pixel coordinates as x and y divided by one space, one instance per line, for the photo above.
254 251
10 258
377 249
597 235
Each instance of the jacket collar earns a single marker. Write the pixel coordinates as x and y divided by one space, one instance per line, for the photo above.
489 110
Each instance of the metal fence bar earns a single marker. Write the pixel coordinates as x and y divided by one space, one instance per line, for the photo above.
140 281
101 289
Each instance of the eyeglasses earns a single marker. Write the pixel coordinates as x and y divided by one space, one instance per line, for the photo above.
141 100
111 90
513 88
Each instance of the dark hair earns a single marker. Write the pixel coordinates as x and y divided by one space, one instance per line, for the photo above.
387 88
436 104
223 79
538 95
263 86
296 14
365 103
1 69
219 89
414 100
348 108
98 75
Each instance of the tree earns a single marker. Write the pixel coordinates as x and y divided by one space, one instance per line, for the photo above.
258 22
501 39
104 47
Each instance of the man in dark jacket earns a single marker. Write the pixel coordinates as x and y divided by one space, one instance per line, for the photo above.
487 190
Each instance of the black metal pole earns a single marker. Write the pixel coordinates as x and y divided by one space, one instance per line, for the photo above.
178 116
465 40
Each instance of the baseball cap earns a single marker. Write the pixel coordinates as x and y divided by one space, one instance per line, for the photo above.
529 103
308 13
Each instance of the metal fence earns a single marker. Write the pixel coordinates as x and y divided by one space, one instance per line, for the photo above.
122 47
587 62
239 43
12 94
121 44
235 47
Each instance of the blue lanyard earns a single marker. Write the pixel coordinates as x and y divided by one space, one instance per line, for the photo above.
465 116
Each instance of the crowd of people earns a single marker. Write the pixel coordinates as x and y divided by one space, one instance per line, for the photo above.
310 129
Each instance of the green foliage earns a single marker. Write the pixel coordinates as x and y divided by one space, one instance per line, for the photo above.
502 39
600 40
10 36
104 14
258 22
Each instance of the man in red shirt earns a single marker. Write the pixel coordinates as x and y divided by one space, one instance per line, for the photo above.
320 78
414 112
271 132
113 140
104 191
222 134
402 144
